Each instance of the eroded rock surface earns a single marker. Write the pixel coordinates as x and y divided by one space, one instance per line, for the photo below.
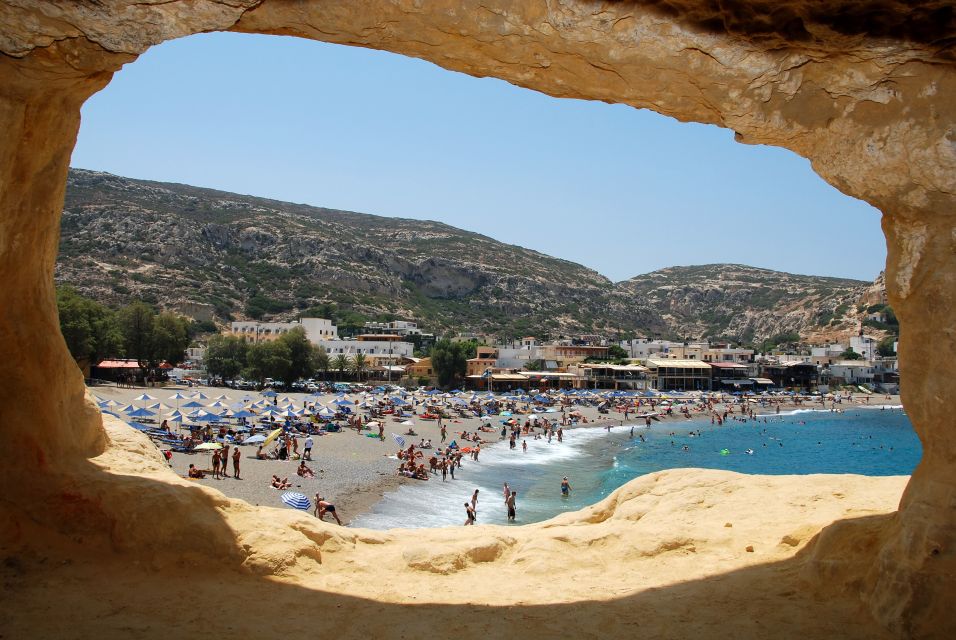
865 90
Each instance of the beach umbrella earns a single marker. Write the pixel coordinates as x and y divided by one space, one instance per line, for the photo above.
254 439
144 398
271 437
193 405
199 395
208 446
269 394
296 500
178 418
222 396
140 413
399 439
243 414
127 408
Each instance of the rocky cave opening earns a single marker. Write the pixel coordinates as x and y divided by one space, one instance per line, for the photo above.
871 107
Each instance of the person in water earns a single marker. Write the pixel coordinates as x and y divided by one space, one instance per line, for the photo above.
469 514
511 505
565 487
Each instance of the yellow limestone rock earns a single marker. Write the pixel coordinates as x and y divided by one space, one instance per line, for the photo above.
865 91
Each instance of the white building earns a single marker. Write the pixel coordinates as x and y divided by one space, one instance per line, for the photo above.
517 355
827 351
866 346
395 327
642 348
853 371
316 329
388 350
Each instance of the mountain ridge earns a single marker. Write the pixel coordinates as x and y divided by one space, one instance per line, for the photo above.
224 255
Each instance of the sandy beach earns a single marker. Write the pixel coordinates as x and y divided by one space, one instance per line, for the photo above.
351 470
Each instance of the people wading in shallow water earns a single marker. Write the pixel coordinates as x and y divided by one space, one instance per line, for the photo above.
565 487
511 505
469 514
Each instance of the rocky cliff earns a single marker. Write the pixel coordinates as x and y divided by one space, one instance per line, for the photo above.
235 256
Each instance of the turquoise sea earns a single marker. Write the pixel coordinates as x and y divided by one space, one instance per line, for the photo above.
870 441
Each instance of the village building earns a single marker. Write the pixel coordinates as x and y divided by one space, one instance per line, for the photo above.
730 376
790 374
609 376
668 374
486 358
316 329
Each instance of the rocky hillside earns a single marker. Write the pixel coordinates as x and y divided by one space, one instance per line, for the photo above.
222 255
746 303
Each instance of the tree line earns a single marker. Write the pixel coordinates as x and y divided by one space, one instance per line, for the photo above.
290 357
137 331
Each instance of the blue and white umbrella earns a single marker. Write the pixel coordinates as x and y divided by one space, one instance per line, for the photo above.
256 439
399 439
296 500
140 413
269 394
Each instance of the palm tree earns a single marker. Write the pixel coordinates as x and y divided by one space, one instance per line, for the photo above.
340 363
322 362
359 364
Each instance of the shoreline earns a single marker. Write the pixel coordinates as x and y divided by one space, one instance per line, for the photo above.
355 472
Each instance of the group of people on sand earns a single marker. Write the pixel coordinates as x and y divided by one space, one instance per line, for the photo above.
442 461
220 465
220 462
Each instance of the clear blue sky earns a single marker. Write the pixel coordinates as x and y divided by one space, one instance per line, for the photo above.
619 190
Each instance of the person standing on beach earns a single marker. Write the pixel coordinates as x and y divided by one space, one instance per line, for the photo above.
307 452
511 505
235 463
444 433
444 470
215 464
224 457
469 514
